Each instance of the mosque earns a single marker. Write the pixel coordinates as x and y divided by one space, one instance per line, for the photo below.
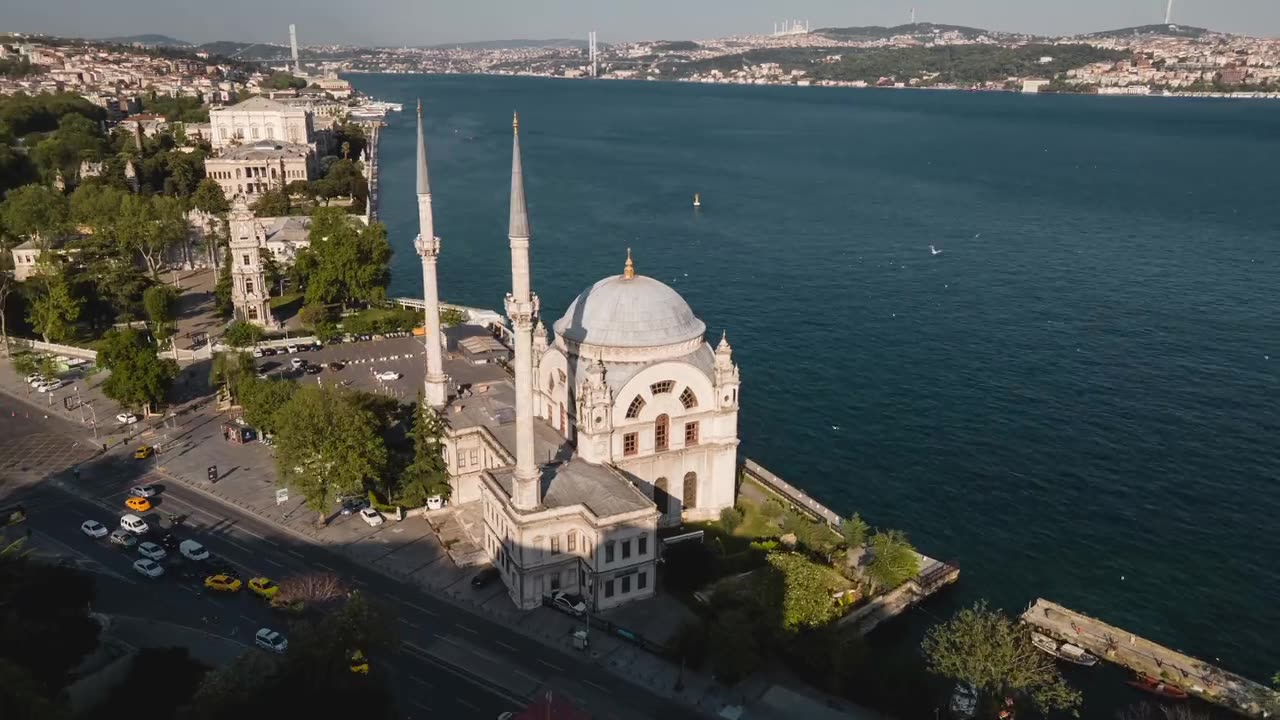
624 422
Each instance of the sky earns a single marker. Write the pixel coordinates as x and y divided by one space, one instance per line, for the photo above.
428 22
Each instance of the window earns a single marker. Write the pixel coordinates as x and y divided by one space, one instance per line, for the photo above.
629 444
626 585
253 313
573 541
608 552
660 496
642 545
660 432
642 581
691 433
248 286
626 549
633 411
608 588
254 132
563 377
237 173
244 259
664 386
555 581
555 545
688 399
690 490
475 456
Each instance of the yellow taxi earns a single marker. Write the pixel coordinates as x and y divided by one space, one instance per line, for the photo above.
359 663
143 452
222 583
263 587
138 504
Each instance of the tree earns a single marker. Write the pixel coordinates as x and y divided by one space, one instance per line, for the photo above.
730 519
347 261
241 334
893 560
272 203
25 363
327 446
991 652
139 378
427 475
736 648
231 370
274 277
261 400
222 301
806 590
53 309
313 314
854 530
152 225
315 590
284 81
37 212
161 303
450 317
209 198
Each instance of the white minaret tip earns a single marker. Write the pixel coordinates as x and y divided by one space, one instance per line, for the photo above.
519 225
424 182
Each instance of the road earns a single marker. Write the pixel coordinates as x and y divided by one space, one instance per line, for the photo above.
451 663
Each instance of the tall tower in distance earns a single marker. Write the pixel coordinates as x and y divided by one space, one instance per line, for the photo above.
1168 13
592 55
293 45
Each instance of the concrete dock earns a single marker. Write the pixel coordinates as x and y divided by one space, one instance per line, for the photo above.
1121 647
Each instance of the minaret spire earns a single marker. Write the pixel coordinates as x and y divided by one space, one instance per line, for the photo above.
522 310
428 246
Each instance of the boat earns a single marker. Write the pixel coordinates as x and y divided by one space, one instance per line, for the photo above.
1155 686
964 702
1063 651
697 201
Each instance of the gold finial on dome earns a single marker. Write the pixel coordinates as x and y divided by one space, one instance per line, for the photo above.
630 270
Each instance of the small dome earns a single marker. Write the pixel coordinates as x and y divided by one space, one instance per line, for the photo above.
636 311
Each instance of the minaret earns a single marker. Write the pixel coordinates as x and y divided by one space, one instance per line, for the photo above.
522 311
428 246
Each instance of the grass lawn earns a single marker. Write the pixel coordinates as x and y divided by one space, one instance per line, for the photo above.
286 299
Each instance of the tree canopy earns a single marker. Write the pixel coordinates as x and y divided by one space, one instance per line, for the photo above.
893 560
348 262
994 654
139 377
261 400
427 474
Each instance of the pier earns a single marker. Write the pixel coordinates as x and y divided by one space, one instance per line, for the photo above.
1210 683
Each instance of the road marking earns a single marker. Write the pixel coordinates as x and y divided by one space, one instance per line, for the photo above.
485 655
246 617
295 553
526 676
273 562
557 668
411 624
451 640
594 685
411 646
420 681
464 702
326 567
415 703
420 609
464 627
359 582
499 642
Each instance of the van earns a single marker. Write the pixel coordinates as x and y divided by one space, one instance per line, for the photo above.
193 550
134 524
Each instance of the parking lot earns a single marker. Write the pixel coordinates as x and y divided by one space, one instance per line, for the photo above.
360 364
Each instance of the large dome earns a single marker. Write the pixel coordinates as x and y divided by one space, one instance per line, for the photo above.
629 312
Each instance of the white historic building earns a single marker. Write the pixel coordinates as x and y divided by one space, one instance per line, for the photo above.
254 168
260 118
625 422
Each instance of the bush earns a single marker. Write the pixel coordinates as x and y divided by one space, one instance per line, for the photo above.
730 519
773 510
242 334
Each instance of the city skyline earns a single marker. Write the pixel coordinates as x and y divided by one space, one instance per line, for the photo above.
329 22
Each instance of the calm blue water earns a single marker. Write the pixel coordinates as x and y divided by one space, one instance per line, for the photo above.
1073 400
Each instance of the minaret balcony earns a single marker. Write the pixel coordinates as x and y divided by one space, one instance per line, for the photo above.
427 248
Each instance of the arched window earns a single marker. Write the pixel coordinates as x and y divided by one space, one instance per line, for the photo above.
664 386
688 399
661 430
636 406
661 497
690 490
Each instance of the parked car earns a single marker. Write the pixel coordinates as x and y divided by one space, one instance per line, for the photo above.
435 502
123 538
222 583
93 529
193 550
134 524
297 363
144 491
50 385
290 349
353 505
33 378
137 504
150 568
386 375
270 640
484 577
169 541
126 418
269 351
572 604
335 366
371 516
312 369
257 352
152 551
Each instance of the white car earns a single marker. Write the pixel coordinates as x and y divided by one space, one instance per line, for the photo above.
151 551
50 385
435 502
571 603
290 349
257 352
150 568
33 378
297 363
371 516
193 550
388 375
269 639
126 418
94 529
144 491
134 524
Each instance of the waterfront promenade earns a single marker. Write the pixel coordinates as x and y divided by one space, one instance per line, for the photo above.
1121 647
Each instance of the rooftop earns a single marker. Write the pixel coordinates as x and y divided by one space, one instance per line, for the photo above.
264 150
603 490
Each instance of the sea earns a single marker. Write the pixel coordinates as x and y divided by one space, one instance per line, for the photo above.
1040 334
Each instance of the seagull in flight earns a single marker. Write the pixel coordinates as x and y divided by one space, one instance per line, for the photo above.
935 251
